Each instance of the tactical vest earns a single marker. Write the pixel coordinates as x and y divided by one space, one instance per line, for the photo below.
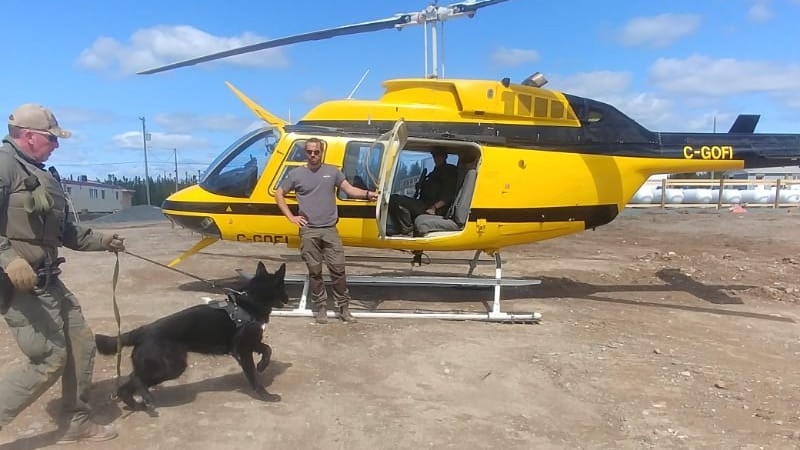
36 212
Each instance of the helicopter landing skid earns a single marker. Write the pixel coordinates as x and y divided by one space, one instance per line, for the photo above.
495 315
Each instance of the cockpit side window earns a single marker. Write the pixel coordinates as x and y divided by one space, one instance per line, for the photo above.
236 172
362 163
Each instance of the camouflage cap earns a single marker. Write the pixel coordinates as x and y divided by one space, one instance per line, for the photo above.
37 117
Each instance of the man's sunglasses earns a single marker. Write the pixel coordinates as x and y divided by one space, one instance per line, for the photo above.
50 136
313 152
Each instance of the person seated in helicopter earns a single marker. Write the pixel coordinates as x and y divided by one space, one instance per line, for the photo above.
435 193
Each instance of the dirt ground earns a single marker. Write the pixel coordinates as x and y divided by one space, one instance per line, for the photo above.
664 329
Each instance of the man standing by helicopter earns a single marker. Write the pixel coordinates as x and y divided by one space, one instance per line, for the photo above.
315 185
436 192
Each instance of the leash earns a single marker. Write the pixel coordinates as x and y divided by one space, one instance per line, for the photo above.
116 315
182 272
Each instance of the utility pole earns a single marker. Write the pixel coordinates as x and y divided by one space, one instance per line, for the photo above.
175 154
146 173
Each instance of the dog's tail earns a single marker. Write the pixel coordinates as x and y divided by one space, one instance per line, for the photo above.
107 345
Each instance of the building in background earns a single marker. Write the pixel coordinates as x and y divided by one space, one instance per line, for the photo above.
94 197
769 173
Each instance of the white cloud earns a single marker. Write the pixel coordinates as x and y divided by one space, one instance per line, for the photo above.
513 57
595 84
759 11
658 31
160 45
704 76
653 110
159 140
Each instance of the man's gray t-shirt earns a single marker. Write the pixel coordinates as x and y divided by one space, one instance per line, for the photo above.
315 191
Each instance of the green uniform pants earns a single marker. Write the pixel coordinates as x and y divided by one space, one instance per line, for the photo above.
51 331
323 245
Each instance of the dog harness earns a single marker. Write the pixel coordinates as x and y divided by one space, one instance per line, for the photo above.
239 316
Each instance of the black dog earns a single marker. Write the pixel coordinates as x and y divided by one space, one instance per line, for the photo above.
232 327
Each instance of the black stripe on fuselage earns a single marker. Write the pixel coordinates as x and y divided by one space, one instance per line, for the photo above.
642 143
617 135
592 216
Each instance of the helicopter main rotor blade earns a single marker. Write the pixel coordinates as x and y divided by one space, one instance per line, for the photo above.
472 6
364 27
430 14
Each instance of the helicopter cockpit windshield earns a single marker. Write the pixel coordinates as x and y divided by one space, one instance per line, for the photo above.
237 170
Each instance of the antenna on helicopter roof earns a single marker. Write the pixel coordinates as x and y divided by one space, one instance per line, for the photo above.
433 16
355 88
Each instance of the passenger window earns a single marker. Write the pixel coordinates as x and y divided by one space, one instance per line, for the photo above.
362 163
282 176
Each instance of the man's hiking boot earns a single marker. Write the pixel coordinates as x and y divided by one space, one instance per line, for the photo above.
89 432
321 316
344 314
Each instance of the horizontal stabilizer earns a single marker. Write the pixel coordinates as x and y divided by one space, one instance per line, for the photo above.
745 123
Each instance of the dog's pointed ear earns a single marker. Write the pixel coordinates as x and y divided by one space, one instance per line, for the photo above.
261 270
281 272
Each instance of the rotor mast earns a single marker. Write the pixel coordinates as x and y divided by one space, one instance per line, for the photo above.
433 18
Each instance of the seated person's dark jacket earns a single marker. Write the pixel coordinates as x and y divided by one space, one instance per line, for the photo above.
439 185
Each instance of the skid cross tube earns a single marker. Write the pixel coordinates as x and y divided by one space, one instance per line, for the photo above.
494 315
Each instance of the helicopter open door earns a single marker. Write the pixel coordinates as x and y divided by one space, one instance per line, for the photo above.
392 142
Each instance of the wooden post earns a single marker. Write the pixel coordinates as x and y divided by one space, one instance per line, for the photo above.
777 193
721 190
663 192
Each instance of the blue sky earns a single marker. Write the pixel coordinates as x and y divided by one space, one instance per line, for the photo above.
672 65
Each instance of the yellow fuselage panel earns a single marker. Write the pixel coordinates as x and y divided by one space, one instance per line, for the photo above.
517 181
476 101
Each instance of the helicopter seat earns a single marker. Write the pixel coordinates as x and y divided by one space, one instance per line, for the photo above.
456 216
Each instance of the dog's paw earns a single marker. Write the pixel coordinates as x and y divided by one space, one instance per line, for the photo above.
150 410
266 356
267 397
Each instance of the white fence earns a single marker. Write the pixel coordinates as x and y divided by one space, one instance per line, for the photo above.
717 193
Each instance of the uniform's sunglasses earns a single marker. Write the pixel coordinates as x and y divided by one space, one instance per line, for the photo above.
50 136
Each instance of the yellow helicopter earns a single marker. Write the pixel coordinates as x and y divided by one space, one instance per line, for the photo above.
533 163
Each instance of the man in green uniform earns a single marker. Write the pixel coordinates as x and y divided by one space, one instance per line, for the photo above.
44 317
